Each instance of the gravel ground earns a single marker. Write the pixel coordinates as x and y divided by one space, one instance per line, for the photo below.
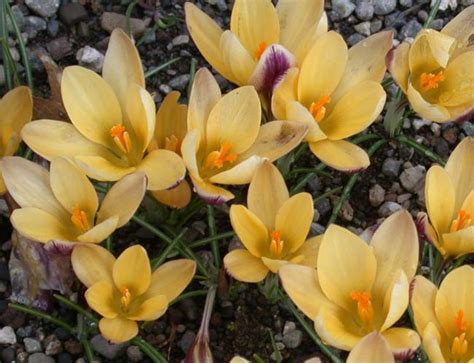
75 33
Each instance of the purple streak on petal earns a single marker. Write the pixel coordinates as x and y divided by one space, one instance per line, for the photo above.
468 115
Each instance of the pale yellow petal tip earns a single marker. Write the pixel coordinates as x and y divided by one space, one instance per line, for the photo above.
373 348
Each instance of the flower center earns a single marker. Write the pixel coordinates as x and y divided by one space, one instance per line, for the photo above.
260 49
431 80
365 309
79 219
125 298
318 109
121 138
217 158
462 221
276 245
460 344
172 143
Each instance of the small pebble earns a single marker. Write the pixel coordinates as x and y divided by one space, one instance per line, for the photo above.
391 167
44 8
180 40
343 8
365 10
384 7
32 345
412 177
388 208
40 358
7 335
376 195
186 341
363 28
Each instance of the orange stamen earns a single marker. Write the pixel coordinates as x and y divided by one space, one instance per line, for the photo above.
430 80
172 143
79 219
318 109
460 344
462 221
365 309
121 138
276 245
125 297
216 159
461 324
260 49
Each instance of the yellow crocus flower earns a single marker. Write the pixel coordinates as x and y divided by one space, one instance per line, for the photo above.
436 71
359 288
125 290
273 228
16 108
263 42
445 317
337 93
225 142
373 348
62 204
449 198
113 121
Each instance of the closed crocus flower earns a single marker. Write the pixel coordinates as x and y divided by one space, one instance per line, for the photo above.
113 121
373 348
16 108
225 142
449 198
263 42
337 93
359 288
125 290
436 72
273 228
445 317
62 204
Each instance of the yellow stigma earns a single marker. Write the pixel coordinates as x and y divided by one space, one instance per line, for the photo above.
276 245
318 109
217 159
365 309
172 143
260 49
460 344
121 138
462 221
430 80
125 298
79 219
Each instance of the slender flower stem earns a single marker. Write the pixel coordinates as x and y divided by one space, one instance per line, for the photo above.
72 305
4 35
128 15
188 295
327 194
192 73
421 149
432 15
308 170
149 350
301 184
205 241
42 315
211 220
158 261
159 68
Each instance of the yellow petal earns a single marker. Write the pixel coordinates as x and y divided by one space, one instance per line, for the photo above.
295 111
164 169
302 286
72 188
431 344
429 111
16 108
308 252
294 220
3 188
150 309
275 139
100 297
322 68
122 65
171 278
459 243
272 264
461 28
39 225
396 299
101 169
91 104
239 174
459 168
245 267
118 330
340 154
236 58
235 120
189 149
99 232
250 230
373 348
423 303
178 197
171 120
267 193
345 264
439 205
355 111
429 51
457 89
403 342
284 92
92 263
366 62
123 199
255 22
397 64
206 35
210 193
132 270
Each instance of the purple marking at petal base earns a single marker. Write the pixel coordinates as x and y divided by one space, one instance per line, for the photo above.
468 115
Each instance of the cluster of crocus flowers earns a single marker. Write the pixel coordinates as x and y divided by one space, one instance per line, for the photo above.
436 72
359 288
445 317
113 122
16 108
449 197
62 204
225 142
125 290
273 228
337 94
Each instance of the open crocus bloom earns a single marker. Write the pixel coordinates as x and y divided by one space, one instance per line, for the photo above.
373 348
449 197
445 317
125 290
16 109
225 143
170 130
62 204
337 93
359 288
436 72
273 228
113 120
263 41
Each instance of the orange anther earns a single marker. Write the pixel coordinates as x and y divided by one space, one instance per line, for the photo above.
461 324
430 80
79 219
364 305
260 49
318 109
121 138
276 245
216 159
462 221
125 297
